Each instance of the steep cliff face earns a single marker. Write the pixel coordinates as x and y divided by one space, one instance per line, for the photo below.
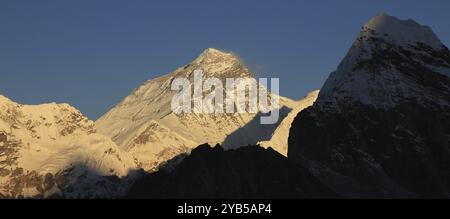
247 172
53 150
381 125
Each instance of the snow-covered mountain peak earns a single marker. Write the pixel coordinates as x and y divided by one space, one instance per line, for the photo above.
215 52
145 125
390 62
400 31
51 148
211 55
213 63
220 64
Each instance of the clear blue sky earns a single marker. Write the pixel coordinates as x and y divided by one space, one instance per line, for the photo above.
92 53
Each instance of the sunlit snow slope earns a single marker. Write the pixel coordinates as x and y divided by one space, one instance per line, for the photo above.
52 149
144 124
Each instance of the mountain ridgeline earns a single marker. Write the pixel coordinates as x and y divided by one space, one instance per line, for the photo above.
52 150
247 172
378 128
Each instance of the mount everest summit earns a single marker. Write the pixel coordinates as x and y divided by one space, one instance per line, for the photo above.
144 124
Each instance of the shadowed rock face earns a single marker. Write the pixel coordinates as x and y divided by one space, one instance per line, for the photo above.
248 172
380 127
367 152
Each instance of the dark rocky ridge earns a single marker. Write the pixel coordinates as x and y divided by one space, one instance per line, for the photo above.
247 172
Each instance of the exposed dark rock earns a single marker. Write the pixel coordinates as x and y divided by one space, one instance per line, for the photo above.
367 152
248 172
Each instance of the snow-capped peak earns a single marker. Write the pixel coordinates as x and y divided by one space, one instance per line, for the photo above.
212 54
216 52
400 31
219 64
51 149
391 61
145 125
